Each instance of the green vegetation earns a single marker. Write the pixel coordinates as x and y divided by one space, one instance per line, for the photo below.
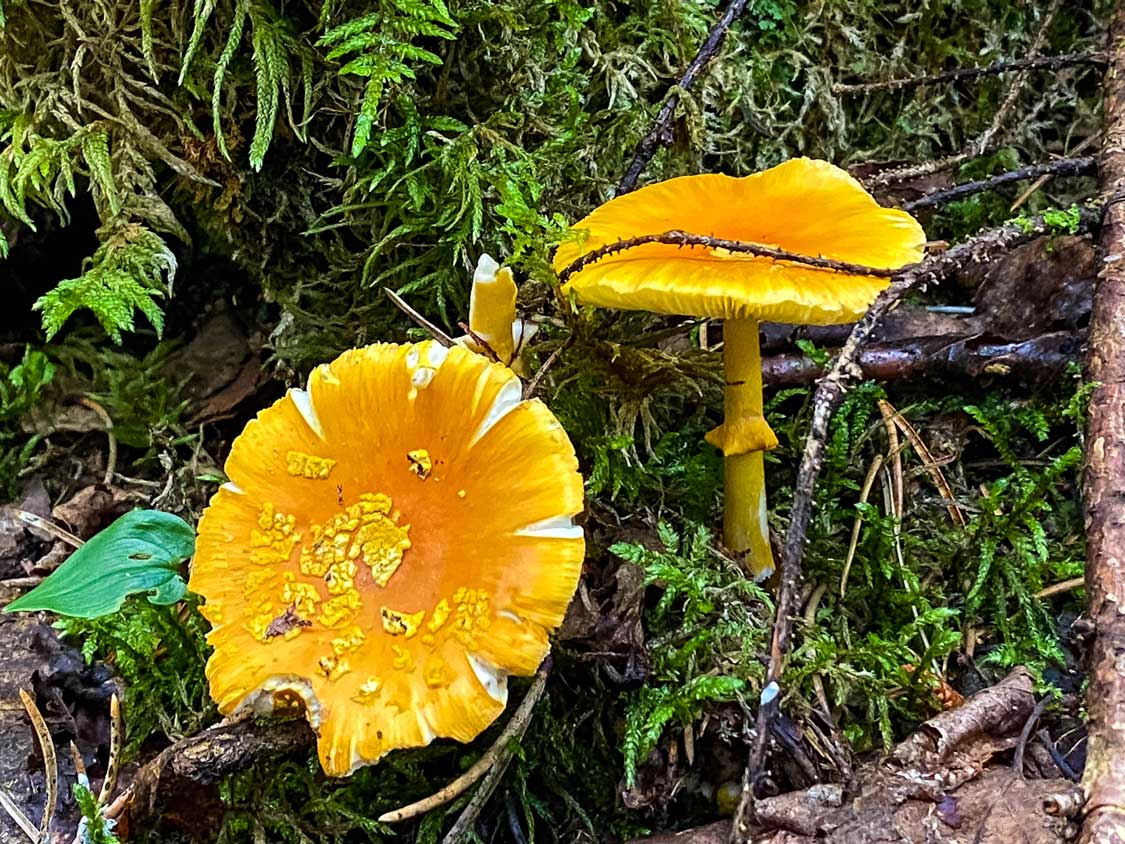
159 652
97 829
22 387
708 631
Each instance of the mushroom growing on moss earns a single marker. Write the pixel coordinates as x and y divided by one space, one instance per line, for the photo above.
394 542
494 328
803 207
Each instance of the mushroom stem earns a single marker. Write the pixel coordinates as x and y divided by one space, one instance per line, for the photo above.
745 524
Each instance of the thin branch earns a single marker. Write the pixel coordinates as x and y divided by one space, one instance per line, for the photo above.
54 530
504 752
660 134
491 758
1063 167
689 240
1036 359
1061 588
998 130
829 393
537 379
966 73
19 817
1000 127
1025 735
435 332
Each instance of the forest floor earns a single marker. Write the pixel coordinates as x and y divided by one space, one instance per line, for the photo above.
927 665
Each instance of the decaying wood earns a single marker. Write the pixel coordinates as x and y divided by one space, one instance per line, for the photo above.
829 393
206 757
943 784
1040 359
1104 487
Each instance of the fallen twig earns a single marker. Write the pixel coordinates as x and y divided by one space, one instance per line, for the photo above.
966 73
660 134
1025 735
19 817
532 386
1000 125
1037 358
1061 588
1082 146
829 394
50 527
491 758
468 817
107 422
1063 167
422 322
688 240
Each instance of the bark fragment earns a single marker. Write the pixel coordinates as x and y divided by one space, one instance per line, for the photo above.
1104 778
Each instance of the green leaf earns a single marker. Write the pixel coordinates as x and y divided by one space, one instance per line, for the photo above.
140 552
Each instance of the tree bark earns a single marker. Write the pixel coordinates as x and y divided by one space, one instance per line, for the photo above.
1104 778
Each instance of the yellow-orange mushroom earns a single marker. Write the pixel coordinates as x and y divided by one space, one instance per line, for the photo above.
804 207
394 542
494 328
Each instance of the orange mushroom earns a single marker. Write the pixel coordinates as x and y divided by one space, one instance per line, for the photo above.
495 330
803 207
394 542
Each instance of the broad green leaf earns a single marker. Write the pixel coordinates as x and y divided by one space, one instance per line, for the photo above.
140 552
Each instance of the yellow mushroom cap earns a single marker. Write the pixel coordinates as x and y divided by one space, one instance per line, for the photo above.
394 542
803 206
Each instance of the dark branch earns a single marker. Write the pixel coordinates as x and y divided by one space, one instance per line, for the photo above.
688 240
660 134
1064 167
965 73
1038 359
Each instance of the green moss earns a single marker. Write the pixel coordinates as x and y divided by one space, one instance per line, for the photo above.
159 653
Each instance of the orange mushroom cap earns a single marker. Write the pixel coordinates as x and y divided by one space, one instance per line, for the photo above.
393 543
803 206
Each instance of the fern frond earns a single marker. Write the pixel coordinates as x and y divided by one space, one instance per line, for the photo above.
127 273
234 38
95 150
271 70
379 47
200 14
146 9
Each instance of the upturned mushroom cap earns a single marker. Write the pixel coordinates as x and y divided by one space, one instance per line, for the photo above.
393 543
803 206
